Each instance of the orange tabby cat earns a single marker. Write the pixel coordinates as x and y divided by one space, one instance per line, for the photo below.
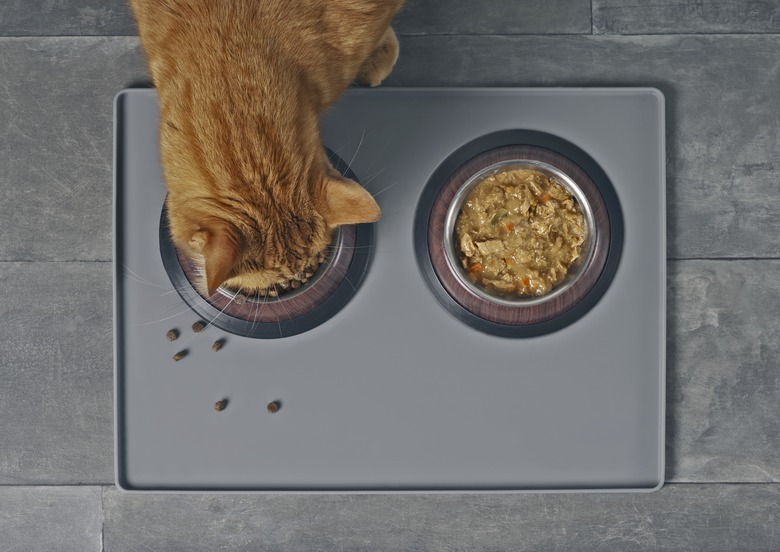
251 194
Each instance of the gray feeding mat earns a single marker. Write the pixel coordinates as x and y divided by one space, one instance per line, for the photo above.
386 371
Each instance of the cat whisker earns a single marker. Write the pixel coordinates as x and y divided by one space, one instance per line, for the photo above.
362 137
278 322
240 291
336 248
188 309
383 190
166 318
281 304
337 269
209 323
382 151
258 311
336 153
178 290
169 309
174 290
372 177
140 279
136 280
142 282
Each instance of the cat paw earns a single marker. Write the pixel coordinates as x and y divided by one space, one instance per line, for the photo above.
381 61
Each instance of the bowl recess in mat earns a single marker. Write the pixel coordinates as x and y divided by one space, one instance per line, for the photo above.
330 288
440 204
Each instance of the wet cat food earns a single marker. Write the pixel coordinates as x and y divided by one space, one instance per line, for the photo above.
518 232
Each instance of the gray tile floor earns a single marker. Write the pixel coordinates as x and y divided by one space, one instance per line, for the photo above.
717 61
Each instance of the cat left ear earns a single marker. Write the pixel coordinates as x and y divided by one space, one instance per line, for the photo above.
347 202
220 252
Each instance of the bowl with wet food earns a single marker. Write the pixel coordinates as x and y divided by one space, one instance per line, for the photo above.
519 232
517 236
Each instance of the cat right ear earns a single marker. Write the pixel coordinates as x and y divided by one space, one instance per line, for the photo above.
220 253
347 202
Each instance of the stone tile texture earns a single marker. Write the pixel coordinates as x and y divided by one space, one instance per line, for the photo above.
65 519
723 383
708 518
56 375
430 17
686 16
113 17
65 17
56 137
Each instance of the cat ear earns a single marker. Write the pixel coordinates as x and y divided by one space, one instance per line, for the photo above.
347 202
220 253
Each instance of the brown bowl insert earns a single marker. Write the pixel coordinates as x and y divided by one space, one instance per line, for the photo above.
520 311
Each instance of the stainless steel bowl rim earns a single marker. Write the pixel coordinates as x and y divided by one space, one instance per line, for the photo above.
333 249
452 254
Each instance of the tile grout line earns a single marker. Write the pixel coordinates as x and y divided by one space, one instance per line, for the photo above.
592 34
74 485
102 519
721 259
106 487
10 261
591 17
445 34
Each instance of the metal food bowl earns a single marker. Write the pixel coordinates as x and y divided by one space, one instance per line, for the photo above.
291 312
575 270
497 313
334 248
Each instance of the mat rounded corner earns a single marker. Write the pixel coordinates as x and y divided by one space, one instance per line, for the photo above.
122 483
657 94
657 487
118 96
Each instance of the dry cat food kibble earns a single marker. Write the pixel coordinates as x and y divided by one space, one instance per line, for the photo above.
172 335
219 406
273 407
180 355
518 233
280 288
198 326
217 345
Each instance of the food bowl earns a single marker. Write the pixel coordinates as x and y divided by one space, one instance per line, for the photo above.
442 248
288 304
576 269
292 312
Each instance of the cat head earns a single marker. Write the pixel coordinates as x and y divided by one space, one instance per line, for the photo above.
249 239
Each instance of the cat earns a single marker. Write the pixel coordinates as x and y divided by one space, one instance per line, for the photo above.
252 197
